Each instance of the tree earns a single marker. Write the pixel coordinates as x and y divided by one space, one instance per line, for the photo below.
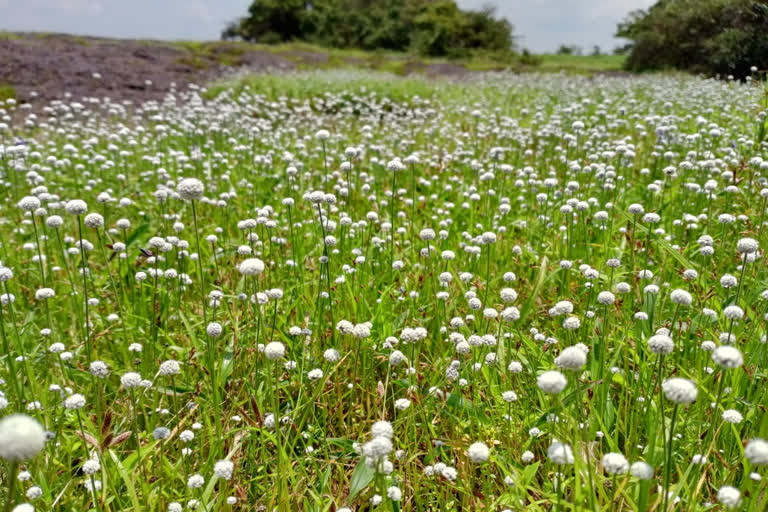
709 36
427 27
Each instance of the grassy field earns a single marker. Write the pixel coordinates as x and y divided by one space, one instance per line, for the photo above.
204 54
581 63
336 290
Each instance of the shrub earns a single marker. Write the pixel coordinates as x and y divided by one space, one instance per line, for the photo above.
426 27
709 36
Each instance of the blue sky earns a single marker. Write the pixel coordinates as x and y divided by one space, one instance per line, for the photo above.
541 24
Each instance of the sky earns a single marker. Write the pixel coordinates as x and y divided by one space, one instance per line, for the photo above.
541 25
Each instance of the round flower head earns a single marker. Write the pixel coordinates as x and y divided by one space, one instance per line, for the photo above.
213 329
377 448
21 437
606 298
681 297
551 382
571 358
274 350
727 356
130 380
190 189
641 470
195 481
76 401
76 207
394 493
54 222
661 344
382 429
478 453
747 245
757 452
560 453
679 391
93 220
44 293
223 469
29 203
169 367
729 496
615 464
251 267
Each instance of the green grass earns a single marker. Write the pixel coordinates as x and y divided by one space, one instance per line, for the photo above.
313 85
405 223
7 91
581 64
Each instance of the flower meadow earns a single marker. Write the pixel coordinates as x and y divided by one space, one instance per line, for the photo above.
355 292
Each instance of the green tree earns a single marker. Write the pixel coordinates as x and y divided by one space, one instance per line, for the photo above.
707 36
427 27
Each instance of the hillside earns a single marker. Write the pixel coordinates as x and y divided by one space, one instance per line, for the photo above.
52 65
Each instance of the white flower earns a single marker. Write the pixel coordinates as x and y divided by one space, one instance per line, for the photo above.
29 203
571 358
76 207
402 404
91 467
190 189
223 469
560 453
727 356
93 220
130 380
274 350
606 298
661 344
251 267
509 396
678 390
213 329
195 481
681 297
394 493
757 452
729 496
76 401
478 452
641 470
377 448
733 312
21 437
615 463
551 382
382 429
747 245
732 416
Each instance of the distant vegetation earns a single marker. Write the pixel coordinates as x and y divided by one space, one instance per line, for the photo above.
423 27
708 36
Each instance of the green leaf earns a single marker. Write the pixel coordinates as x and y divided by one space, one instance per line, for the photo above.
362 476
540 278
137 233
126 480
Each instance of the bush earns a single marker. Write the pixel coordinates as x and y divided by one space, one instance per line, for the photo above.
425 27
708 36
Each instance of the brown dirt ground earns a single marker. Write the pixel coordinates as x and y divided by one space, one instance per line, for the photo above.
54 64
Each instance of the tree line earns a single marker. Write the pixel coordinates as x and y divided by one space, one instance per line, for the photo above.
424 27
725 37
